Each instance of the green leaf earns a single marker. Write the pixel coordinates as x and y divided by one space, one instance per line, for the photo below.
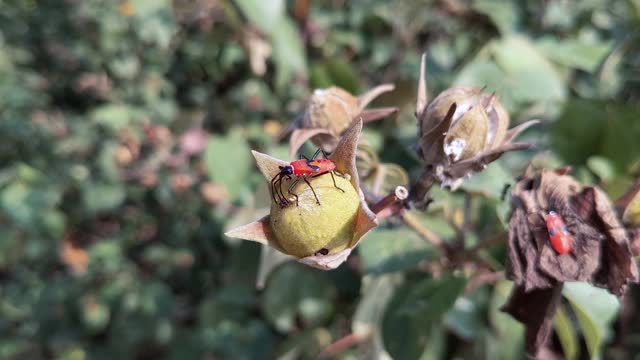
415 308
376 294
393 250
516 71
530 76
590 127
148 7
112 116
578 133
288 50
465 318
503 13
566 333
509 332
264 14
574 53
377 291
227 161
490 182
620 142
297 292
100 196
602 167
595 309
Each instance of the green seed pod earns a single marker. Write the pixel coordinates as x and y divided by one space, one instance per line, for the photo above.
319 235
308 228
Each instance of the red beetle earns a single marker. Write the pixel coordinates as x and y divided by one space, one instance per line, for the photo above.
561 240
302 169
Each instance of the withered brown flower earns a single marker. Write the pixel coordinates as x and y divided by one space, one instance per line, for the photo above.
330 111
323 235
460 132
600 252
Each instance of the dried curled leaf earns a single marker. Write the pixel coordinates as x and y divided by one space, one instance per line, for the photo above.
600 253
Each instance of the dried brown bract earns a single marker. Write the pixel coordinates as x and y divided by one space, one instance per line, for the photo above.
330 111
600 252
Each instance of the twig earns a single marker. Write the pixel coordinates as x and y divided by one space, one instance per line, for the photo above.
411 221
343 343
391 204
482 278
419 194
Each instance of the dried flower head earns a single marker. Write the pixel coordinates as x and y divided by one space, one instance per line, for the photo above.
461 131
330 111
599 250
319 235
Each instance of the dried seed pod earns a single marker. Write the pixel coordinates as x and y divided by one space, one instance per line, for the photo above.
329 113
599 253
332 109
460 132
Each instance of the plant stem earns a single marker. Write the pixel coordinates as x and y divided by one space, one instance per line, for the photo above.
412 222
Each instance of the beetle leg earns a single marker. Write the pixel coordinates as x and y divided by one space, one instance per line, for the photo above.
313 191
273 187
316 153
324 153
282 201
334 181
285 200
293 184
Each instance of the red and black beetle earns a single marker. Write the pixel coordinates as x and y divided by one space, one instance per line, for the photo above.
302 169
560 238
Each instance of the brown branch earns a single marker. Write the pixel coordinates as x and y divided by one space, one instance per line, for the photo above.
390 205
419 194
343 343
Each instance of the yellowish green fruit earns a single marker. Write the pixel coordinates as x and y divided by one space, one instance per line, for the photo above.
307 228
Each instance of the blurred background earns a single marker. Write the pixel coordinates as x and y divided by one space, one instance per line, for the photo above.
125 137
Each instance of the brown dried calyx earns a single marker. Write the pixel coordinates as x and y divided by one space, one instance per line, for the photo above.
330 111
600 252
460 132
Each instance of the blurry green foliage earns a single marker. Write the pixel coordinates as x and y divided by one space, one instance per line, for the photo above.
126 129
